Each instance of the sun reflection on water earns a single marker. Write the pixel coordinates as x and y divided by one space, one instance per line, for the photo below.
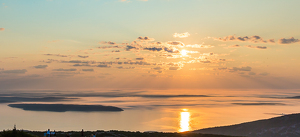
184 120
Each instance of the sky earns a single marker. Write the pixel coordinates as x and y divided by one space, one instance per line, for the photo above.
156 44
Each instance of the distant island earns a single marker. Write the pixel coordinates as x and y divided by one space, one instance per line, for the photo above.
64 107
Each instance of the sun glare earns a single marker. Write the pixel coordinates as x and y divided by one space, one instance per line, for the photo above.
183 52
184 121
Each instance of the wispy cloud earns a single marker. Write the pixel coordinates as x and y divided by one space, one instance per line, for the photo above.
87 69
176 43
2 29
83 56
174 68
199 46
40 66
107 42
253 39
181 35
234 46
61 69
256 47
258 104
139 58
240 69
109 47
16 71
103 66
58 55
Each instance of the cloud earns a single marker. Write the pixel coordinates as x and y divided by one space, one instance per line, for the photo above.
146 38
153 49
103 66
138 63
253 39
174 68
16 71
271 41
181 35
116 51
87 69
256 47
76 65
2 29
40 66
61 69
158 43
128 47
109 47
107 42
121 67
224 68
240 69
171 50
199 46
158 68
65 73
206 61
50 61
264 74
56 55
257 104
77 61
176 43
139 58
288 41
83 56
234 46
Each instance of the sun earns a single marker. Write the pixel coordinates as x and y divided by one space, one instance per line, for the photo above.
183 52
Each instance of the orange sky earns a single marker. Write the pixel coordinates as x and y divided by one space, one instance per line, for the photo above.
127 44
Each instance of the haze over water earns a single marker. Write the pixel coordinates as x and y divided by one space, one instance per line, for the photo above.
171 65
153 110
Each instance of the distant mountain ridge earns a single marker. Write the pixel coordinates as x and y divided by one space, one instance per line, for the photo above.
283 126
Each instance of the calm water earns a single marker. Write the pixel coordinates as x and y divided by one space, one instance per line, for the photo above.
152 110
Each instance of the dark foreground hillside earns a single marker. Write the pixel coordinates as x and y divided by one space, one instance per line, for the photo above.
114 133
15 133
283 126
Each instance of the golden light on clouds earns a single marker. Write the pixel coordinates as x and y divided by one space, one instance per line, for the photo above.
181 35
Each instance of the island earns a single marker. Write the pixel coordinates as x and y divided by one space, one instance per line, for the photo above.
65 107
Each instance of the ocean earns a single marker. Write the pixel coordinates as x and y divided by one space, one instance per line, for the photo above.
170 110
